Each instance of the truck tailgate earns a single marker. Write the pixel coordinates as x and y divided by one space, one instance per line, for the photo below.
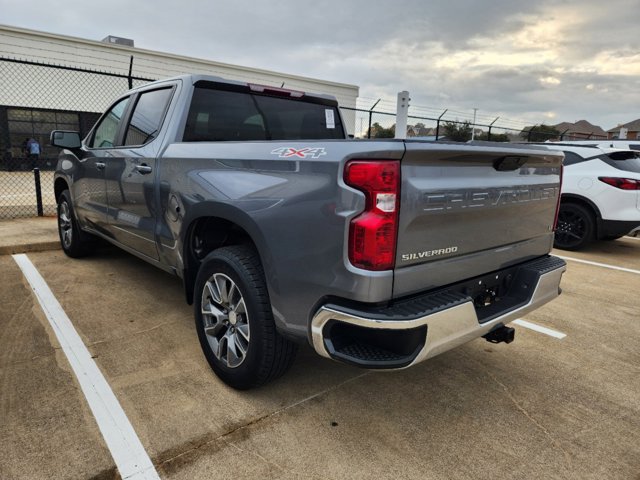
468 210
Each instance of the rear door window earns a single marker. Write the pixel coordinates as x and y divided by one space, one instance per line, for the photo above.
147 116
571 158
220 115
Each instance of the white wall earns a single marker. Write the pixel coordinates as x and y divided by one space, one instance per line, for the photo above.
76 91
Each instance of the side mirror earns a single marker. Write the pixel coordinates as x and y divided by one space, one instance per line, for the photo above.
65 139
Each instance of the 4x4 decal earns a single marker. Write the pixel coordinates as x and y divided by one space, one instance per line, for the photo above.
290 152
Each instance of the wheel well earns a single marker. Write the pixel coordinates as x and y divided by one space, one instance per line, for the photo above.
59 187
205 235
589 206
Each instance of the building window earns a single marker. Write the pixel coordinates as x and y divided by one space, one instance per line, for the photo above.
25 123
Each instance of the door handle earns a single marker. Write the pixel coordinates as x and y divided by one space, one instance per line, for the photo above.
100 165
143 169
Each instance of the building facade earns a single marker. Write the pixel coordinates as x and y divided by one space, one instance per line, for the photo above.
50 81
628 131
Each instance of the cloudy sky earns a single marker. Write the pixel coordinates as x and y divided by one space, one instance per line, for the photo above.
526 61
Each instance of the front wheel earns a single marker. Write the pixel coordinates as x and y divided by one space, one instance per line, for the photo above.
576 227
234 320
74 242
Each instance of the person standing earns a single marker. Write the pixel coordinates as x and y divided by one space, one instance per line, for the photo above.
33 152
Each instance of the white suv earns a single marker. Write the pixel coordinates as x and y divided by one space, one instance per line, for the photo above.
600 195
611 143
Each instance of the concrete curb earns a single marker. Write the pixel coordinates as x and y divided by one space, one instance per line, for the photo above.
29 248
25 235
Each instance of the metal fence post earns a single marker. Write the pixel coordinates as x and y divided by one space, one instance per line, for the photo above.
402 112
36 178
371 117
438 124
131 73
490 127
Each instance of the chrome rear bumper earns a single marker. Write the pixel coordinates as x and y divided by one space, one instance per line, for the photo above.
446 327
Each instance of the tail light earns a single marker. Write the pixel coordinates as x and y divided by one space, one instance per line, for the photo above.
555 221
373 233
621 183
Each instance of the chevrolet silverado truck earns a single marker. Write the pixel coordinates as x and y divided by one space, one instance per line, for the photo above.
380 254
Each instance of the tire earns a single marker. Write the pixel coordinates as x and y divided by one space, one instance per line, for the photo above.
234 320
576 227
74 241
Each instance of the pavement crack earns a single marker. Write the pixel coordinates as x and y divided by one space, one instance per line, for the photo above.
268 462
524 411
133 334
204 443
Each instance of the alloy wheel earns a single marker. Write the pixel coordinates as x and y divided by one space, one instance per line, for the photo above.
571 228
226 321
65 225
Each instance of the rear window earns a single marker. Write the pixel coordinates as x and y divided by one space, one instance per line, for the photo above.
220 115
629 164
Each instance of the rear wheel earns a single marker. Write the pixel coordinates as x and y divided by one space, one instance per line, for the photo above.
74 242
576 227
234 320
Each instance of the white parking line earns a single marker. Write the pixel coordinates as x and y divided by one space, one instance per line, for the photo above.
127 451
603 265
539 328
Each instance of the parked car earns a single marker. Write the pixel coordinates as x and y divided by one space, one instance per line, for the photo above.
379 254
611 143
600 194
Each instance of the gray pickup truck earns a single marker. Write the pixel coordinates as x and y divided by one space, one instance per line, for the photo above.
379 254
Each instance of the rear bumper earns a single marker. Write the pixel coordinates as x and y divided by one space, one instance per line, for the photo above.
615 228
412 330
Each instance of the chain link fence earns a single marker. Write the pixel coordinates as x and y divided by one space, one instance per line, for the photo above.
36 98
448 126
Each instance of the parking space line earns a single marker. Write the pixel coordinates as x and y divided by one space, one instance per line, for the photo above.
603 265
127 451
539 328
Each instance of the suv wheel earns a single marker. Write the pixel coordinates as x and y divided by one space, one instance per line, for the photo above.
234 320
576 227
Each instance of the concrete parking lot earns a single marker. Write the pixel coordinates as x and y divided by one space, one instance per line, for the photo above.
541 407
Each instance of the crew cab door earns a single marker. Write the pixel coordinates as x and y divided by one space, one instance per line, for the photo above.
89 188
131 173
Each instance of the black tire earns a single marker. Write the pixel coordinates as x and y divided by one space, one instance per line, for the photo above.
237 333
576 227
75 243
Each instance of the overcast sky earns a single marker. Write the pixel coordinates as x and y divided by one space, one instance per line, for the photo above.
525 61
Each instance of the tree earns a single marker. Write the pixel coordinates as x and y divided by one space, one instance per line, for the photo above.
458 132
539 133
495 137
378 131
